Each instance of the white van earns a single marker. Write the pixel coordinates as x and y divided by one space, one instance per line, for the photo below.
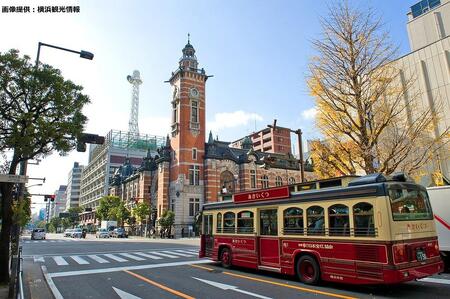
38 234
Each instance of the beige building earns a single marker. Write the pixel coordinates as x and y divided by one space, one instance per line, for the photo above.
429 62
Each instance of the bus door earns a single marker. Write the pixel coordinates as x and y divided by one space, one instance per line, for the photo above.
269 247
208 234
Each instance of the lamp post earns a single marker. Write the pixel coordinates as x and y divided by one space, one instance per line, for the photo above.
24 164
300 147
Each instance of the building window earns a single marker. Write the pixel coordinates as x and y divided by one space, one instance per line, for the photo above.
194 154
175 113
194 206
278 181
194 175
252 178
264 182
291 181
194 111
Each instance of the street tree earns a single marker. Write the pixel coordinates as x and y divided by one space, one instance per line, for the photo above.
40 113
141 211
368 110
74 217
112 208
166 222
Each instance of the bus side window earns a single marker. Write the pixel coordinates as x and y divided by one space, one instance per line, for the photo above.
339 220
293 221
363 219
229 222
316 221
219 223
245 222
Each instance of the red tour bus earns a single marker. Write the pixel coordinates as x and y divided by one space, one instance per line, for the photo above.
358 230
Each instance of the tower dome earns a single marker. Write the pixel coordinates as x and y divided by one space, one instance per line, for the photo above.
188 60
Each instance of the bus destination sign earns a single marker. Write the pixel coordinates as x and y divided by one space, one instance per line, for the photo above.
260 195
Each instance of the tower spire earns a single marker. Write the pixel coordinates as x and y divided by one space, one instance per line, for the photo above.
189 38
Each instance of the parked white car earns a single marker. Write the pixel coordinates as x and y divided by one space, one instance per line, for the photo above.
38 234
77 233
68 232
102 233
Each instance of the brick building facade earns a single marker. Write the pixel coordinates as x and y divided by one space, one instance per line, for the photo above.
187 171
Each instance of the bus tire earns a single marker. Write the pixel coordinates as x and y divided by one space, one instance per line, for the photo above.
308 270
225 257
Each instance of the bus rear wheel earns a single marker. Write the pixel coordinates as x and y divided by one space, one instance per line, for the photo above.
225 258
308 270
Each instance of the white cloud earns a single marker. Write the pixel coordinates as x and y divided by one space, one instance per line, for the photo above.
309 113
232 119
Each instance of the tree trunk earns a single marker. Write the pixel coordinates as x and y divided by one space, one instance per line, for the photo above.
6 192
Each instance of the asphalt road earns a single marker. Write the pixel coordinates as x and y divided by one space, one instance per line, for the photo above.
131 269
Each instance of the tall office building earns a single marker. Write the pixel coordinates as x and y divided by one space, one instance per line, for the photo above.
59 204
429 62
73 186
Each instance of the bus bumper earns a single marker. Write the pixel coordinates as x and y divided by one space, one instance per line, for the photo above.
408 274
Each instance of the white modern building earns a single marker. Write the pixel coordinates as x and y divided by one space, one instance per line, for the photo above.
105 159
59 205
73 186
429 62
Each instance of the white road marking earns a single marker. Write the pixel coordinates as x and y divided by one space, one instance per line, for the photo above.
192 252
51 284
178 253
39 259
98 259
129 268
164 254
230 287
435 280
125 295
79 260
116 258
136 258
148 255
60 261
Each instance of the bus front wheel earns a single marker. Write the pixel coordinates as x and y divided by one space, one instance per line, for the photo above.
308 270
225 258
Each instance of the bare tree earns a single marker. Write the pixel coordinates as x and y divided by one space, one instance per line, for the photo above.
367 107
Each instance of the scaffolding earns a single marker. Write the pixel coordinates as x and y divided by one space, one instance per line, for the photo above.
129 140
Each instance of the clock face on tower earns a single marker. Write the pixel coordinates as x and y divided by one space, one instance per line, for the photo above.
194 92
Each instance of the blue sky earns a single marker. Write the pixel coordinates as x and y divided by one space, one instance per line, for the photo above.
258 52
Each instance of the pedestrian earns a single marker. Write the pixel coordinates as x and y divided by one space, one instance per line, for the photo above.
182 232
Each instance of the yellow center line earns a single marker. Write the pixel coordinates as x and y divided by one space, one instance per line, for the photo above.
201 267
278 283
175 292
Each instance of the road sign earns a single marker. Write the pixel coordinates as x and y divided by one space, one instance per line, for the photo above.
13 178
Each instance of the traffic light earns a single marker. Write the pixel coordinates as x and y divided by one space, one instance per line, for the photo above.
88 138
50 197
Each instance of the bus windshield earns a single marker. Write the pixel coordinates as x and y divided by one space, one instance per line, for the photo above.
410 204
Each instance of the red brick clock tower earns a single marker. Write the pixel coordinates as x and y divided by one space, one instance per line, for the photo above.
186 189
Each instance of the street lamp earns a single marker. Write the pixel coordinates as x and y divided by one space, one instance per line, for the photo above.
35 185
299 135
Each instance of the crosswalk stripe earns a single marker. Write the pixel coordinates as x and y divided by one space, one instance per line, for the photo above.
192 252
164 254
79 260
98 259
116 258
60 261
132 256
176 253
148 255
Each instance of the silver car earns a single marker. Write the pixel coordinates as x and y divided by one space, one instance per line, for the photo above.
38 234
77 233
102 233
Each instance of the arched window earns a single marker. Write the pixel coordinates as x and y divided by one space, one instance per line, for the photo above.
278 181
293 221
291 181
229 222
264 182
339 223
227 182
219 223
316 221
245 222
364 220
